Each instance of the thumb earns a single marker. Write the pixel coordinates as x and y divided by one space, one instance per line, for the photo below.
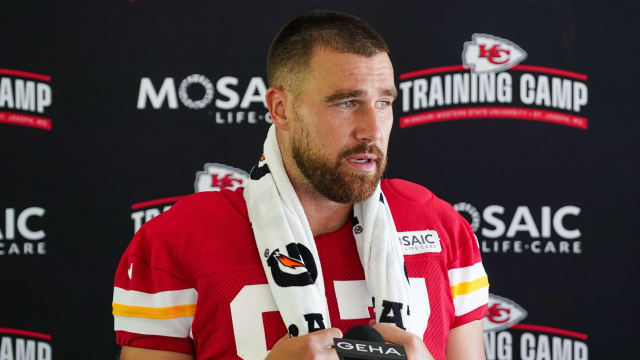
286 337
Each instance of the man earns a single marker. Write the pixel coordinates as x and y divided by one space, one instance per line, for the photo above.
310 248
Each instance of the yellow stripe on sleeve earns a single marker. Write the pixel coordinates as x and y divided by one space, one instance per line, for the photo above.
469 286
169 312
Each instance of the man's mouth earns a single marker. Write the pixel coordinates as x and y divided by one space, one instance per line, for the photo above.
363 162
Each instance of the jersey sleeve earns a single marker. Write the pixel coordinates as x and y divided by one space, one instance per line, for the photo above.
467 278
153 303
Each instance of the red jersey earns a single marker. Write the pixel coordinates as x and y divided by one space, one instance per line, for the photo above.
192 281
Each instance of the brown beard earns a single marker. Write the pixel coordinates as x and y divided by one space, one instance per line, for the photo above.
329 179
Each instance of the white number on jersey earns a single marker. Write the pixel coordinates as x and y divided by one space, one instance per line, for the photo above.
353 300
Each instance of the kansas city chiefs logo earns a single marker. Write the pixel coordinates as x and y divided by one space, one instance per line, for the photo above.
216 177
503 313
488 53
296 268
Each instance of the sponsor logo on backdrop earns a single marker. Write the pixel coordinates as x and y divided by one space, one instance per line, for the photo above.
525 229
507 338
216 177
488 53
503 314
21 232
24 345
25 98
213 177
492 83
224 99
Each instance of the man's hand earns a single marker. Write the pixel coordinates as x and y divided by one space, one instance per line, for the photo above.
413 345
316 345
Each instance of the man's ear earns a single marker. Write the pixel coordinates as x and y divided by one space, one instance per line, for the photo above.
276 100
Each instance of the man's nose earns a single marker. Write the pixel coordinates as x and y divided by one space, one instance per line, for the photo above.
369 125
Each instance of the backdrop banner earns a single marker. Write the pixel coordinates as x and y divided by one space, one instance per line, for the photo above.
520 114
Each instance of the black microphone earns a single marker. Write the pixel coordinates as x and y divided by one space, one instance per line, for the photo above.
363 332
365 342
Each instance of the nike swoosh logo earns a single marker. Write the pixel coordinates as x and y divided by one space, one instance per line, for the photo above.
130 271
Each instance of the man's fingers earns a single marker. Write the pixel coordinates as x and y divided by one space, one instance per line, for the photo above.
284 338
413 345
316 345
329 354
322 342
326 336
392 334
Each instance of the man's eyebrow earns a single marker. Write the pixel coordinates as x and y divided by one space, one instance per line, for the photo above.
391 92
343 94
346 94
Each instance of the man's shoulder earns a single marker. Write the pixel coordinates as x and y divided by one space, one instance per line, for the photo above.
195 230
403 191
202 212
407 191
209 206
213 200
410 200
419 214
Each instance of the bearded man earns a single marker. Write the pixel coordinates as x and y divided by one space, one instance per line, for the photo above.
316 243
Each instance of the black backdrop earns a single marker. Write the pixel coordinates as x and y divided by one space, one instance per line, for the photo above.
81 184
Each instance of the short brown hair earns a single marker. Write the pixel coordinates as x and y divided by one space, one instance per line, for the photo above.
290 52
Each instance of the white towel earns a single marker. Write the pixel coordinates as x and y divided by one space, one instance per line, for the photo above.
290 258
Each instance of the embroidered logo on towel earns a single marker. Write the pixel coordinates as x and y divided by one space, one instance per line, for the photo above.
295 268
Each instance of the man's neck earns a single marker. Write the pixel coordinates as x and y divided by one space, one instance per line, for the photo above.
324 216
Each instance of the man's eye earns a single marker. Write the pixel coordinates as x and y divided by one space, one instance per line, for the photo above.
383 104
347 104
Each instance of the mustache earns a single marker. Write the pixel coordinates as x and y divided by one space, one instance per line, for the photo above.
362 148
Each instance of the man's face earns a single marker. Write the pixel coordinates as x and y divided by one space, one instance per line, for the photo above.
341 121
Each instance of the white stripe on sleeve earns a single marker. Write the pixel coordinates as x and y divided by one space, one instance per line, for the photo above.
466 274
159 299
177 327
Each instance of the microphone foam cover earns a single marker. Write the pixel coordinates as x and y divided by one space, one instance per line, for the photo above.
363 332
